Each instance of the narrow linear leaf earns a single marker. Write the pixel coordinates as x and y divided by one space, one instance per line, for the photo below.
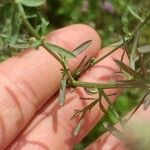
102 108
125 47
82 62
76 72
32 3
44 25
114 131
60 51
77 113
120 42
134 49
87 98
142 64
115 47
138 106
131 10
82 47
135 83
126 31
62 92
90 90
85 110
78 128
146 102
127 69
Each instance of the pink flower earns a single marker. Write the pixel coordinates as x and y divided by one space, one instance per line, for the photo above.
108 7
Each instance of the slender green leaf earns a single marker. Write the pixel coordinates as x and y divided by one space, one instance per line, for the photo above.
114 131
32 3
127 69
146 102
135 83
60 51
120 42
77 113
44 25
116 46
82 47
90 90
143 99
78 128
42 28
142 64
126 31
62 92
134 49
76 72
101 106
134 13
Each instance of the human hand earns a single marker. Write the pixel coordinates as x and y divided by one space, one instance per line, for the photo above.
30 116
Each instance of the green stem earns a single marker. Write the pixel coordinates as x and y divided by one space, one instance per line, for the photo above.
113 50
128 40
26 22
37 36
134 49
98 130
103 85
34 33
114 110
52 53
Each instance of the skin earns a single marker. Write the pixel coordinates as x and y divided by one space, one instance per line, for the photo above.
30 116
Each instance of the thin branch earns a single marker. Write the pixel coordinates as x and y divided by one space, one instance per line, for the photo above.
108 85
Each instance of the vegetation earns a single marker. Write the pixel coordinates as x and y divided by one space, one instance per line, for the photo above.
124 21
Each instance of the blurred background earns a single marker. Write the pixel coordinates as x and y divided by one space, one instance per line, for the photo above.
108 17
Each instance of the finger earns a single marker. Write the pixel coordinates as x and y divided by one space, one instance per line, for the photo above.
52 127
137 135
29 79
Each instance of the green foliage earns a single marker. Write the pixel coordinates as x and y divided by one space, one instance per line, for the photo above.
25 27
62 91
81 48
59 51
93 13
124 103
